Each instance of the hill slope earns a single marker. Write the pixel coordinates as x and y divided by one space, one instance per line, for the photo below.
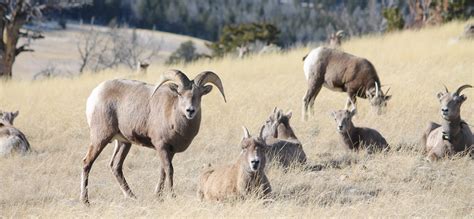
414 64
59 50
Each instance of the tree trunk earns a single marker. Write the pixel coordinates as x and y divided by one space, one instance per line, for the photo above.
9 39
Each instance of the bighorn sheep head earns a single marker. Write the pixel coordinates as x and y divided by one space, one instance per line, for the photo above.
378 99
451 102
278 125
343 119
189 92
253 149
6 118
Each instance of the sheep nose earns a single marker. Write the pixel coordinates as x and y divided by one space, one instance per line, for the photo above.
190 110
255 162
445 110
340 127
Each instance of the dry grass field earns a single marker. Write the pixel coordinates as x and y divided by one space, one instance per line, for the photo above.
415 64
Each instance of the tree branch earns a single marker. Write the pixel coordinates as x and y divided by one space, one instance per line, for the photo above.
22 49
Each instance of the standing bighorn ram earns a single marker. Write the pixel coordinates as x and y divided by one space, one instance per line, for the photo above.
453 135
163 117
340 71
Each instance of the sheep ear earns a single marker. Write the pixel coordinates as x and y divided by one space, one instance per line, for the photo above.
388 97
173 87
206 89
246 132
439 95
462 98
289 114
353 112
333 114
15 114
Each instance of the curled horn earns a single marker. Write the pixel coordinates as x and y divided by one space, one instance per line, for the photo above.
445 88
376 89
458 91
175 76
210 77
340 33
261 132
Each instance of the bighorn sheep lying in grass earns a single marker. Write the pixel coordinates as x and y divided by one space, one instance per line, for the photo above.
11 139
163 117
355 138
245 177
283 145
453 135
344 72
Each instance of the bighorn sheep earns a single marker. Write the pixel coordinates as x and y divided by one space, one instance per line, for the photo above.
335 39
453 135
355 138
142 67
245 177
283 145
163 117
340 71
11 139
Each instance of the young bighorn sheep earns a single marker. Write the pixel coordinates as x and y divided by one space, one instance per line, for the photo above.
454 134
355 138
165 117
245 177
11 139
283 145
340 71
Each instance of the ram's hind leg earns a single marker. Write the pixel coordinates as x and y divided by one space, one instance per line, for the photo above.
116 163
92 154
314 86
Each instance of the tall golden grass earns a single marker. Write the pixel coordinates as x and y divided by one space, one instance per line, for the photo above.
415 64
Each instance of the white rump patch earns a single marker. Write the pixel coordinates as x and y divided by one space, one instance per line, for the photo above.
311 60
92 101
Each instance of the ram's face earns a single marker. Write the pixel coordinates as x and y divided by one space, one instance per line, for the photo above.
190 99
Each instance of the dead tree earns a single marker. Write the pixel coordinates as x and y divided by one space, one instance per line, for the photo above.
13 15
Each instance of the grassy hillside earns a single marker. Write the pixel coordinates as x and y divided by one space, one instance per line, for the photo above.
58 50
414 64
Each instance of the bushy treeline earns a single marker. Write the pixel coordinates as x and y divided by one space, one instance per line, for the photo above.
298 20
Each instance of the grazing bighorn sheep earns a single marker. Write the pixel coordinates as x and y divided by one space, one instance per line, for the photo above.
245 177
163 117
340 71
355 138
454 134
11 139
283 145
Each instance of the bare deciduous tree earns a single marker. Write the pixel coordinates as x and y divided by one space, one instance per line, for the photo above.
13 15
100 50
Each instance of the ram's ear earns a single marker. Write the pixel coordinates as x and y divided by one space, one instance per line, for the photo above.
206 89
